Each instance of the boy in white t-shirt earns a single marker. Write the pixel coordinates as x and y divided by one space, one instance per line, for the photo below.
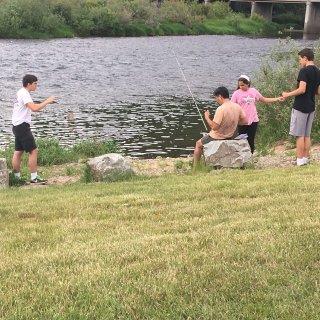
21 119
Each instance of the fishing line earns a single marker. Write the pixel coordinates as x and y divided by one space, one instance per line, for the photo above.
185 80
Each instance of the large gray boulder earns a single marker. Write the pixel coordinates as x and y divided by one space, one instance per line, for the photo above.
4 174
109 166
227 153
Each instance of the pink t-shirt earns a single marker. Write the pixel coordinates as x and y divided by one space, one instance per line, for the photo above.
247 101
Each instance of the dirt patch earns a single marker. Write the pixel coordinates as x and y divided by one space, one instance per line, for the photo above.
160 166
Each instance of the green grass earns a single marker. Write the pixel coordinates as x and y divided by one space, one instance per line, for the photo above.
231 244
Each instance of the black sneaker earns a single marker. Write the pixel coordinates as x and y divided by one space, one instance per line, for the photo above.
38 180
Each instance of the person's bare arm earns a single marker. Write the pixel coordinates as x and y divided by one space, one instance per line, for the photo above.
300 90
39 106
213 125
271 100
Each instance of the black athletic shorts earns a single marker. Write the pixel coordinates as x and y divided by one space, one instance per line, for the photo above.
24 140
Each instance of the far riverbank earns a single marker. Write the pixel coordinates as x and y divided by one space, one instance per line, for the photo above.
66 19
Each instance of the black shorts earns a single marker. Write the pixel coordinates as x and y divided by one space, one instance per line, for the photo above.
24 140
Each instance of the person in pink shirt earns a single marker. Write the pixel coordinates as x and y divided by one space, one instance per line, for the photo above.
246 97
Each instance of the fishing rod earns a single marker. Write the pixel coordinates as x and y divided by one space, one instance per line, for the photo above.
185 80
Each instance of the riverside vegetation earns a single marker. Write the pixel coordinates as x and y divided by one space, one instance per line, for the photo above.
69 18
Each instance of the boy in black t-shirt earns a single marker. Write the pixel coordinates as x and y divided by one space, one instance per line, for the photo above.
302 114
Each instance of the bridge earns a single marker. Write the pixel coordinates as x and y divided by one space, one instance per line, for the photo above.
311 18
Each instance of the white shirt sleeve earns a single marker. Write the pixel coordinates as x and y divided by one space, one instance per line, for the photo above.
25 97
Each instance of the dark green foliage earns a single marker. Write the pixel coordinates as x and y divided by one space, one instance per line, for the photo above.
68 18
87 176
92 148
15 182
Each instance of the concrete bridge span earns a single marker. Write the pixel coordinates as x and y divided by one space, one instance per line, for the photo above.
312 13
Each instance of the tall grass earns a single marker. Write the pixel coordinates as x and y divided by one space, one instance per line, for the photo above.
67 18
52 153
279 73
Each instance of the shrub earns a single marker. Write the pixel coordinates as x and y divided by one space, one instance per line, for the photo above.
218 9
146 11
63 9
121 10
87 175
10 20
103 22
176 11
51 23
32 13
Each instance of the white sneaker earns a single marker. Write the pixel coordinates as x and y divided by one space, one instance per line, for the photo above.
306 160
300 162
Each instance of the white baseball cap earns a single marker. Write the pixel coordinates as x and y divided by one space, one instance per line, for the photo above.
243 76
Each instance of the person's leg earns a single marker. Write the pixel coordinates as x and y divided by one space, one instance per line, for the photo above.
29 145
16 161
300 145
197 152
33 161
252 129
307 146
307 139
298 129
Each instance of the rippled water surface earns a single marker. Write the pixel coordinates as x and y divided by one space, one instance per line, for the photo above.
127 89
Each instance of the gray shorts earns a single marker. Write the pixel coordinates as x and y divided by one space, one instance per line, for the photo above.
206 139
301 123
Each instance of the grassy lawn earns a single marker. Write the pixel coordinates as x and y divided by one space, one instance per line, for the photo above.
237 244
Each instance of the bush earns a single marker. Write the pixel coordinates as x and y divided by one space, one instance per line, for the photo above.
103 22
218 9
176 11
121 10
146 11
10 20
52 23
32 13
63 9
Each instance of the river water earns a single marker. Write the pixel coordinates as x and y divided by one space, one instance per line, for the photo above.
127 89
